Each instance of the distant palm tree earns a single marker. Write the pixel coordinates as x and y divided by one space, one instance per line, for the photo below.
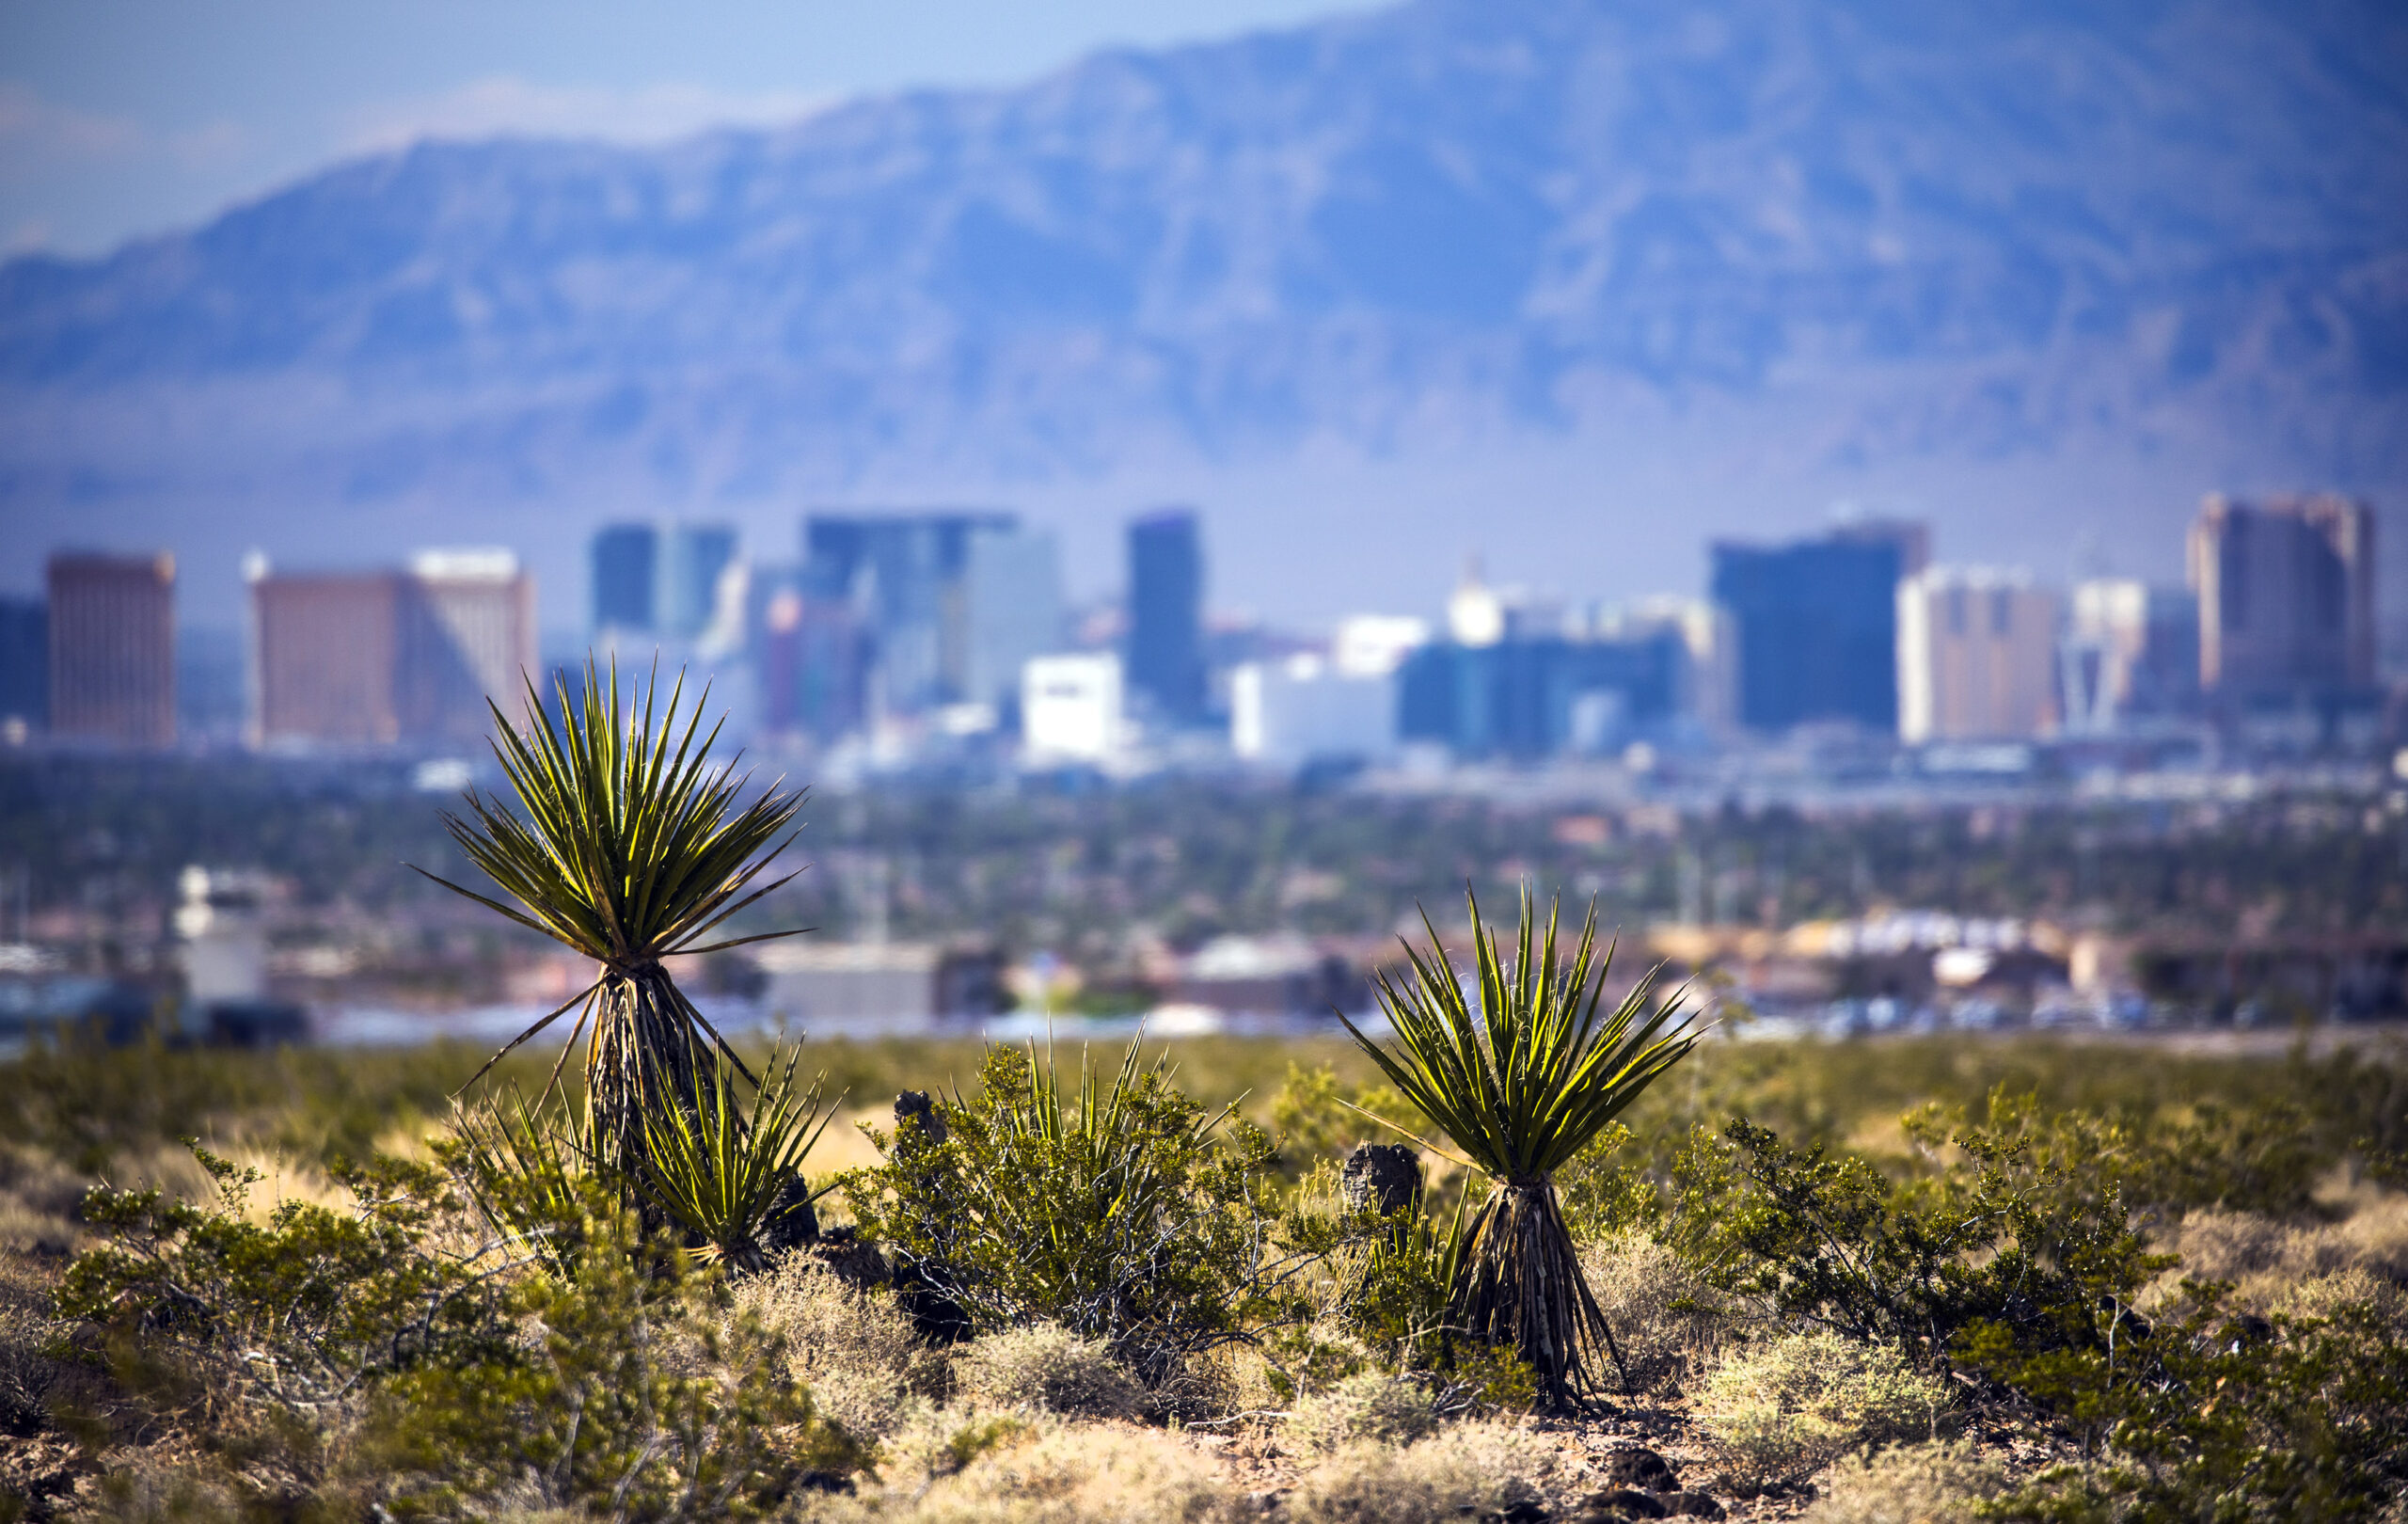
630 852
1522 1085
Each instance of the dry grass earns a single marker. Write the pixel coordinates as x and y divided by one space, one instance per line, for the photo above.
1664 1318
1934 1482
1779 1410
2294 1268
964 1468
1387 1408
1045 1369
853 1349
1460 1472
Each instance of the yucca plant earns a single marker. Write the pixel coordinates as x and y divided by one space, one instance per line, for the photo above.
721 1174
524 1168
1522 1084
632 849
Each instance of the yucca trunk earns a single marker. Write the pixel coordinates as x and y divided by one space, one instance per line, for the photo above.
1521 1289
645 1056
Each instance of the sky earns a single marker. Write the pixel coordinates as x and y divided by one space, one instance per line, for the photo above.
124 118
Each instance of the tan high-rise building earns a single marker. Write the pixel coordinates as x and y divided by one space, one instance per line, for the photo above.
2286 594
1977 655
112 648
468 631
324 658
376 659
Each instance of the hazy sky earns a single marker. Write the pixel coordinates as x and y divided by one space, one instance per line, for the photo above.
121 118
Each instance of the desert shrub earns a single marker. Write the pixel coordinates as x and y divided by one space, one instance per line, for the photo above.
1664 1315
625 1388
1388 1408
1129 1216
1316 1115
1779 1410
2209 1413
851 1347
946 1469
1938 1482
301 1311
1469 1470
2019 1234
1046 1368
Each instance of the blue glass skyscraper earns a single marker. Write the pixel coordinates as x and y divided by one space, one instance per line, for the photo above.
1167 613
1816 625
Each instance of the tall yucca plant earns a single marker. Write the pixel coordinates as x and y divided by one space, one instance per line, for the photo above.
1522 1084
631 849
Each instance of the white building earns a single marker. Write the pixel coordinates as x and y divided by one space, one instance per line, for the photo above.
1978 652
1071 708
1375 645
2132 650
1287 713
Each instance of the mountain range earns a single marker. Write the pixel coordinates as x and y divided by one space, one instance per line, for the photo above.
1573 283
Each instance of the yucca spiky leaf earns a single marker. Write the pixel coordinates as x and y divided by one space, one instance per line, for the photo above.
631 848
718 1173
1521 1084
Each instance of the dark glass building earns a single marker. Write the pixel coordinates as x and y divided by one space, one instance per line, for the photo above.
626 567
903 574
1519 698
25 662
1816 627
1167 613
692 559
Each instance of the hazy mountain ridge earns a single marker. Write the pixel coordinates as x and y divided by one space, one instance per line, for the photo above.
1982 235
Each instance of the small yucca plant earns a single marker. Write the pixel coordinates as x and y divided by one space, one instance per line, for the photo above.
721 1174
521 1166
1521 1085
631 849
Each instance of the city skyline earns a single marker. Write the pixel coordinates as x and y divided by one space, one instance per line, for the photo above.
937 620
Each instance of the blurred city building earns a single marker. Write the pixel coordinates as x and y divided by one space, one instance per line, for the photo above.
2130 653
1167 615
1305 708
1978 654
112 649
1815 623
625 561
2286 594
1530 697
895 984
1709 694
953 603
389 657
1073 708
695 559
810 659
24 669
666 582
1375 645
